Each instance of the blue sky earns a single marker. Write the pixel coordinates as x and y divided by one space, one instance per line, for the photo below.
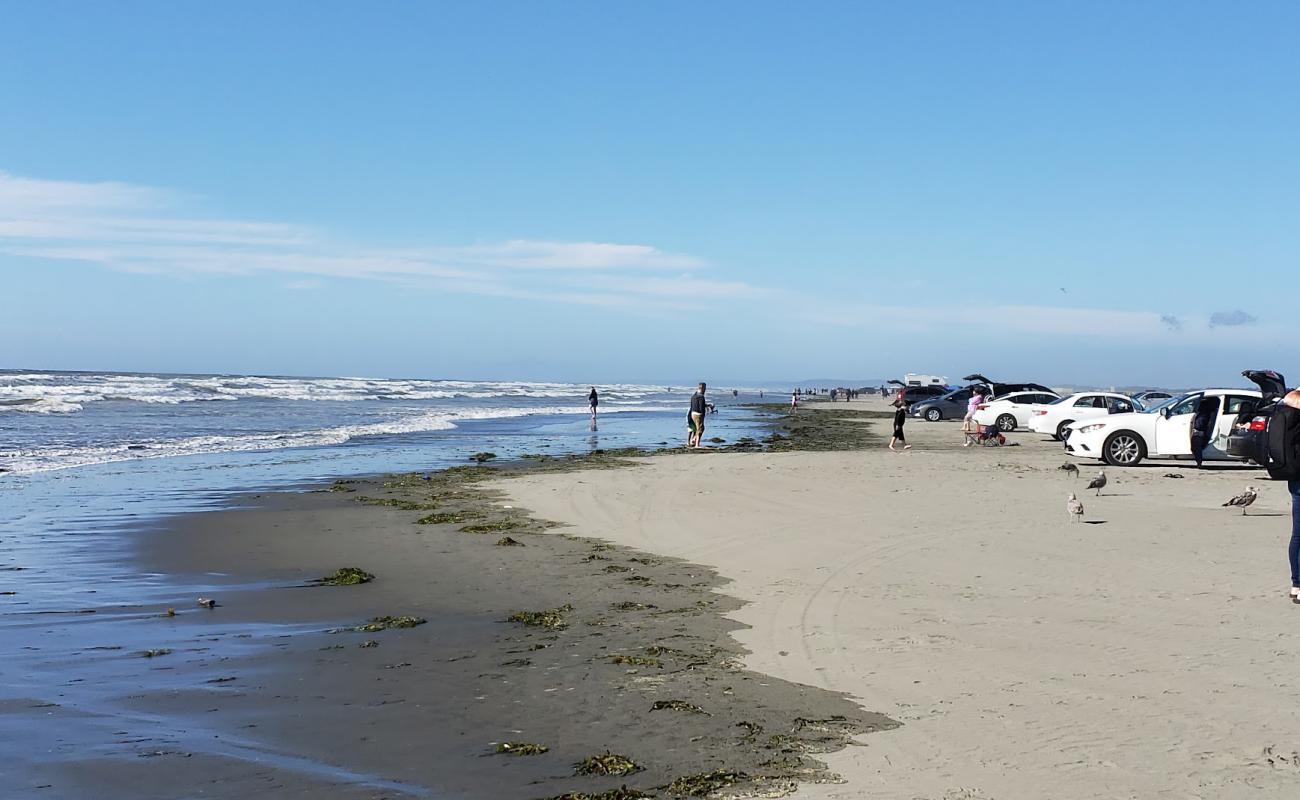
1066 192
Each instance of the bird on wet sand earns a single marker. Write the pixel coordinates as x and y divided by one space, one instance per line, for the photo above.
1070 468
1098 482
1243 500
1075 507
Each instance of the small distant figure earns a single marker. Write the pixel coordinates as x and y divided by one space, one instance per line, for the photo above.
1075 507
695 417
760 394
900 417
1098 482
735 392
593 400
794 400
1243 500
1070 468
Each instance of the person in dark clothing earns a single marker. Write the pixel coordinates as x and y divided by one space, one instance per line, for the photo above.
1207 412
1293 547
593 400
900 417
695 417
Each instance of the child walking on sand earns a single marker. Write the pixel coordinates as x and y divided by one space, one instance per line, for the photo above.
900 417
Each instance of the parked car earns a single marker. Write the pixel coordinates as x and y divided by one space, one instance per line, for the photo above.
1165 431
1054 419
1248 438
951 405
919 394
1152 398
1012 411
1003 388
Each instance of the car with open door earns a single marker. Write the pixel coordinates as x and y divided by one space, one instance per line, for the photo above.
1164 431
1248 438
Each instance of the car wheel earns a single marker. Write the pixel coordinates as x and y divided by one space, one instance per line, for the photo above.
1124 449
933 414
1062 432
1007 423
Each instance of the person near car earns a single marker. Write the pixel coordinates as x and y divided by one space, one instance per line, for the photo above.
968 425
1292 399
900 417
1203 427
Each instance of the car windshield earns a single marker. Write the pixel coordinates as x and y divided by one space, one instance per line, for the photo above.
1155 409
957 394
1059 400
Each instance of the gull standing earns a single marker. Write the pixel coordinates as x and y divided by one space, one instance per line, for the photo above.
1075 506
1098 482
1070 467
1243 500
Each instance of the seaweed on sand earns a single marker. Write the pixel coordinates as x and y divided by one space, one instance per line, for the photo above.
398 503
637 661
507 541
606 763
497 526
676 705
384 623
706 783
449 517
621 793
617 568
482 457
521 748
345 576
552 618
628 605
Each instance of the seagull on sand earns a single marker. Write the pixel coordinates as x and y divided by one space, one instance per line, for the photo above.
1070 467
1075 507
1243 500
1098 482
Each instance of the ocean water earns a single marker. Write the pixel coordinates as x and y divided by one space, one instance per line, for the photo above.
100 453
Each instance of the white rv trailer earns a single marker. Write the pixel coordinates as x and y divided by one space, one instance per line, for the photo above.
913 379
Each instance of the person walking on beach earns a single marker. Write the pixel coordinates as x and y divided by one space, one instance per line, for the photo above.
900 417
593 400
695 417
794 401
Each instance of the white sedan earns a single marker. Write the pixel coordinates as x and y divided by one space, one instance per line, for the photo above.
1054 418
1164 431
1011 411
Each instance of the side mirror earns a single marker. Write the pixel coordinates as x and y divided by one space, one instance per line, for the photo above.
1164 412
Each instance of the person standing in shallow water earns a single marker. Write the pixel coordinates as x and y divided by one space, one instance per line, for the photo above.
593 400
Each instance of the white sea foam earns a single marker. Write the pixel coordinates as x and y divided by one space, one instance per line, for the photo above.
46 459
67 393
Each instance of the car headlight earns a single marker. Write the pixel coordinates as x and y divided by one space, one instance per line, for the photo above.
1092 428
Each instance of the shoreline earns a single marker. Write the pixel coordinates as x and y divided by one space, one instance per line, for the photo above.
287 538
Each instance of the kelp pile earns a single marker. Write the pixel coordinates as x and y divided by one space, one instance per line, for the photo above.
606 763
384 623
552 618
345 576
522 748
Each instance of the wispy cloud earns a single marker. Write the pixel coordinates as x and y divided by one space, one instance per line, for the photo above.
144 230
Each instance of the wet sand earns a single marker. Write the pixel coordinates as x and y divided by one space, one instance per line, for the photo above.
274 693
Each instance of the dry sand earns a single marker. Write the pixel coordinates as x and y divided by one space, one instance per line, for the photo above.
1148 655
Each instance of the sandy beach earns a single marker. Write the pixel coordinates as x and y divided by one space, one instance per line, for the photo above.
1148 654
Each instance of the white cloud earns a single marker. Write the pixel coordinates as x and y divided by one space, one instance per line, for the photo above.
142 230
